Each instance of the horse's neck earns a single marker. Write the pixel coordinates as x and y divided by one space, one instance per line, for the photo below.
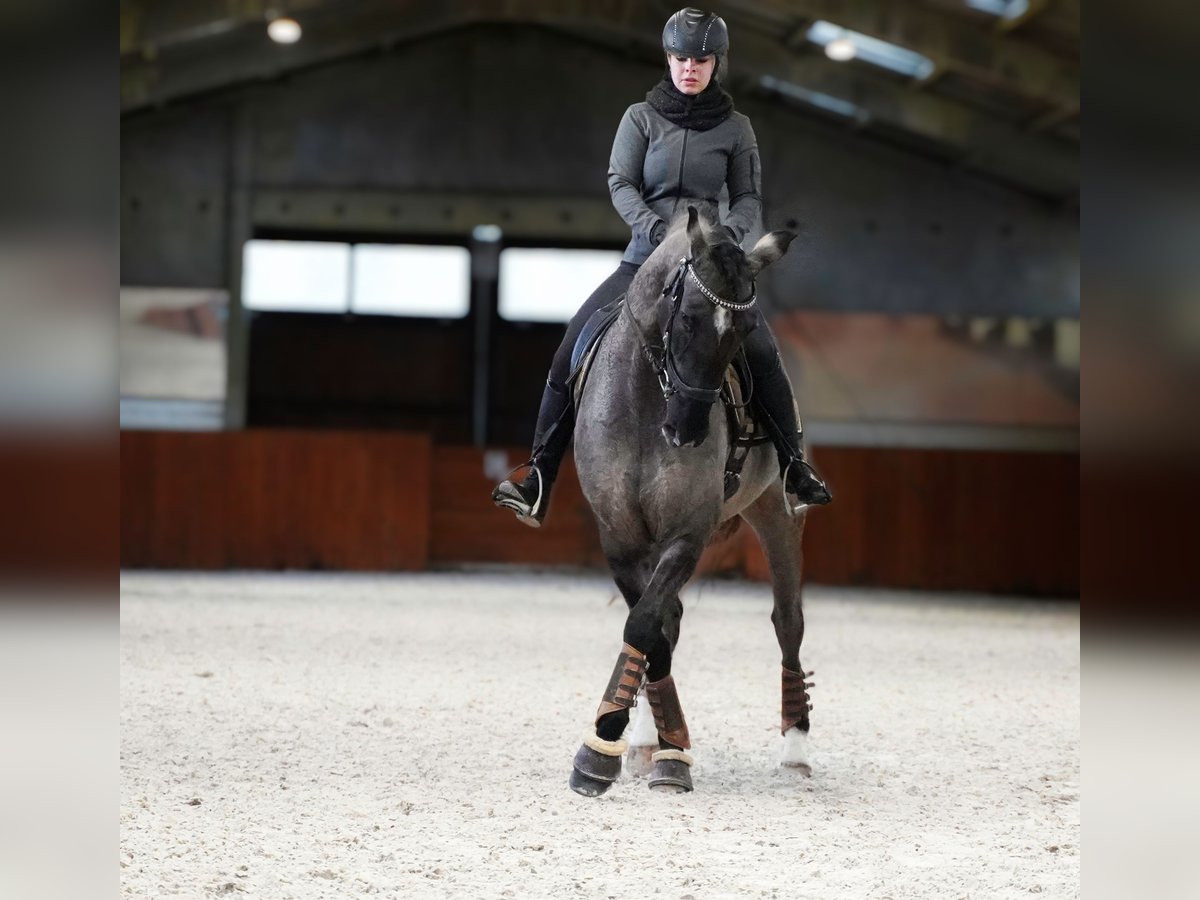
633 337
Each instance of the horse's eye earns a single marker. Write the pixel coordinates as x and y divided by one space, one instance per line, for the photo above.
688 322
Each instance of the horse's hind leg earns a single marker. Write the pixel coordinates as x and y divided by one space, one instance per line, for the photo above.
780 536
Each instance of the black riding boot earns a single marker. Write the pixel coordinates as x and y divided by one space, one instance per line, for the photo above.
773 393
530 497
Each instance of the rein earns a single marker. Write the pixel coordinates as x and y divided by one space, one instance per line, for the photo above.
661 358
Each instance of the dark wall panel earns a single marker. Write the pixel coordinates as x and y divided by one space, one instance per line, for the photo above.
174 171
361 371
948 520
919 519
887 231
275 500
505 109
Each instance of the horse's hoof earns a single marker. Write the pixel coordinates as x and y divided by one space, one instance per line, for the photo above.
639 761
803 768
794 753
588 787
672 772
594 772
671 777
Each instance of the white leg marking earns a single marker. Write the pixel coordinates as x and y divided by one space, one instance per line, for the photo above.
795 751
643 733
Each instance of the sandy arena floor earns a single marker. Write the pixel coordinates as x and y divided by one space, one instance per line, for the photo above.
332 735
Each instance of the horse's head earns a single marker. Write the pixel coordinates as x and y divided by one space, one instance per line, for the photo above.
710 307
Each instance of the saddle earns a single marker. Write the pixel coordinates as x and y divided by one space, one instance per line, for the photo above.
737 389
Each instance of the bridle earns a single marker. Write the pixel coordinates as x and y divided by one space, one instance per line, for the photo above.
661 358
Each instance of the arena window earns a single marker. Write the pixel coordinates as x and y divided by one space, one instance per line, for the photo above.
539 284
296 276
411 280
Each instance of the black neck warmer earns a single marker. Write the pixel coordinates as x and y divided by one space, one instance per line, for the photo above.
700 112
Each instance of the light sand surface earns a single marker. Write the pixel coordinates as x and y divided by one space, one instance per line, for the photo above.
306 735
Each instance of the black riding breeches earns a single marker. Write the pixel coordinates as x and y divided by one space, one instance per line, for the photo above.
609 290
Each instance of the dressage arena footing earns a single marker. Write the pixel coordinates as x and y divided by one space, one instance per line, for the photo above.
322 735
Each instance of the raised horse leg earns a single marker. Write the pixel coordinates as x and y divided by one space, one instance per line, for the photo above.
653 624
643 732
780 536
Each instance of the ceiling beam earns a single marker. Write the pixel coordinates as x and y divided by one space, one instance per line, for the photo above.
149 27
980 141
951 44
245 54
976 140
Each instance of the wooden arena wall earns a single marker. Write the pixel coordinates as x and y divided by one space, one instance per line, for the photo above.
1001 522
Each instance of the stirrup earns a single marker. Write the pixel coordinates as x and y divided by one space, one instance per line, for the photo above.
818 489
799 508
530 515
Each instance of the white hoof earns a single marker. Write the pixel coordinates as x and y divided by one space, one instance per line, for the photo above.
638 761
794 754
643 738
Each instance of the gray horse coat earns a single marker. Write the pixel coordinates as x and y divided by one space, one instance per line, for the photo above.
652 470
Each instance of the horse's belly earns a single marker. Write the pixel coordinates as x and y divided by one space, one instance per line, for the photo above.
760 473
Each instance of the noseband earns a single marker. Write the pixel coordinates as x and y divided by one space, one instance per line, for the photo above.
662 359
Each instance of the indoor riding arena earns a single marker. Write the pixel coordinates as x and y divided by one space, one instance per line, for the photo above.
352 235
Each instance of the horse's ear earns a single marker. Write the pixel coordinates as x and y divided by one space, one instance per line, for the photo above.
769 248
695 233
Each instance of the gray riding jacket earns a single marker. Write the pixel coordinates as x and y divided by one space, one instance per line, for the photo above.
658 168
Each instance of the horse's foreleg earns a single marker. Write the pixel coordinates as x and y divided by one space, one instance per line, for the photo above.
646 653
643 733
655 619
781 536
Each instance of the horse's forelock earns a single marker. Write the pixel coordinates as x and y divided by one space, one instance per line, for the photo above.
725 266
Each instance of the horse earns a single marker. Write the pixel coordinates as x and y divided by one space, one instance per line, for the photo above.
650 448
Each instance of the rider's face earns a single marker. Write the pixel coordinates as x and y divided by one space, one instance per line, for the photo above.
689 74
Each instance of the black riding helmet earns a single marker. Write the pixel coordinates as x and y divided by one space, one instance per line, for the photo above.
695 33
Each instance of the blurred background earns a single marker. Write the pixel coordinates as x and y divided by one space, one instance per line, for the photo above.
351 233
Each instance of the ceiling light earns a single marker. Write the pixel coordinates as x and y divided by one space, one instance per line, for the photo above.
843 44
841 49
284 31
1005 9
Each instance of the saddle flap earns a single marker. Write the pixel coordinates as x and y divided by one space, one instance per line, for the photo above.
588 341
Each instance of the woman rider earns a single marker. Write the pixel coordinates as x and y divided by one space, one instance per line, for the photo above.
677 149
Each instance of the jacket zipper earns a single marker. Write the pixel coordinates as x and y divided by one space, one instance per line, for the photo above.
679 180
682 157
